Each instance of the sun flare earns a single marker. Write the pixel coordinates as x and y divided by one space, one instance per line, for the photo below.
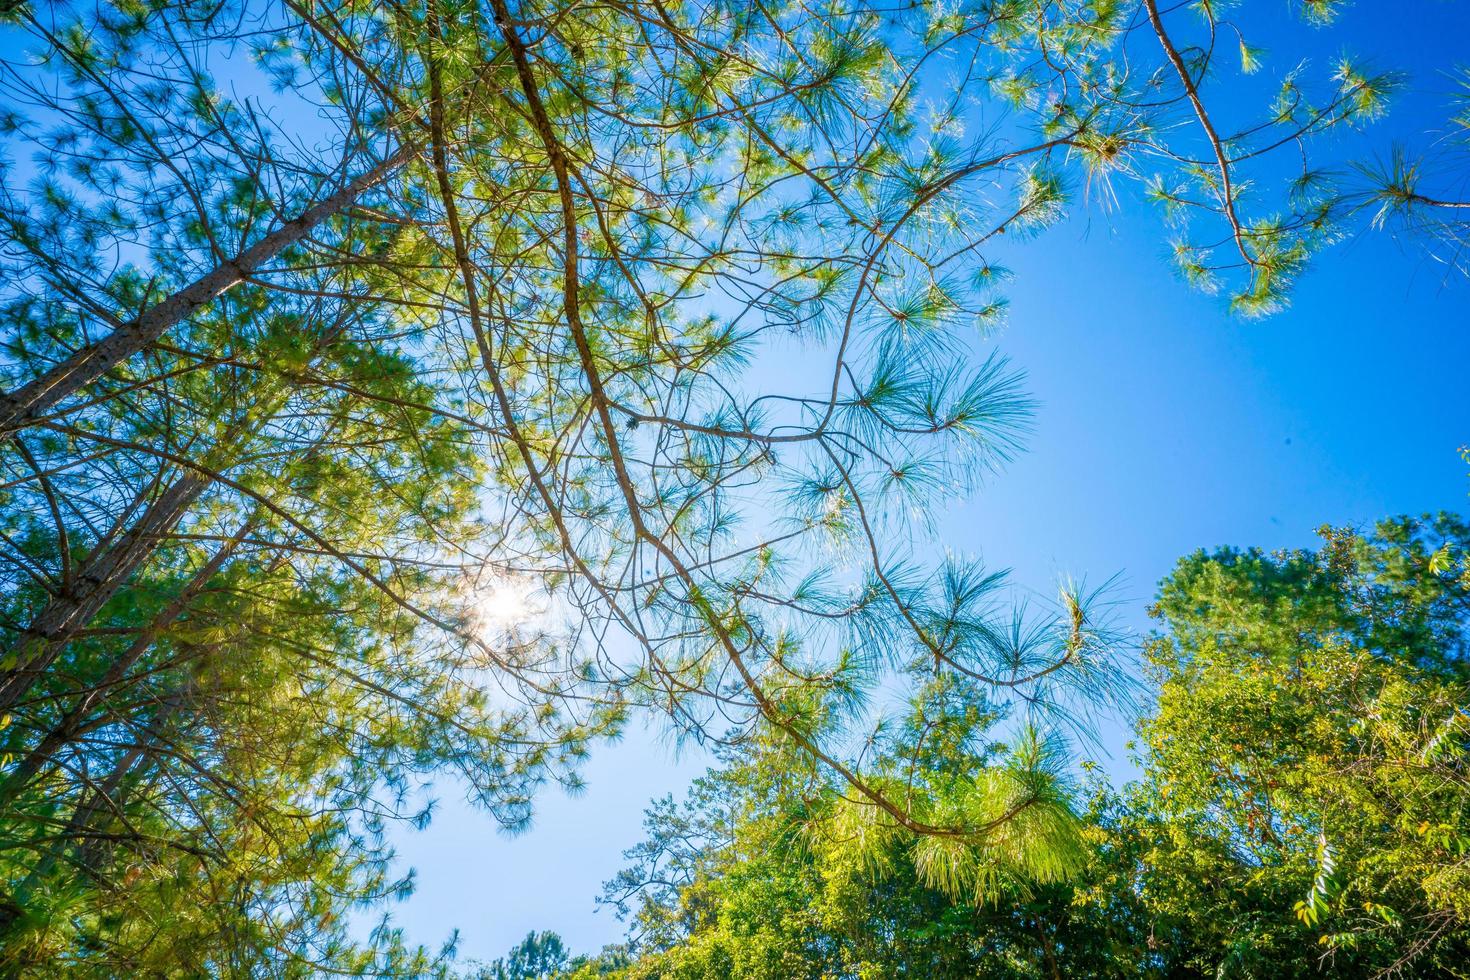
503 603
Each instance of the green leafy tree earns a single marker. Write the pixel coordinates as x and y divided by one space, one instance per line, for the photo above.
1302 809
543 956
540 956
1304 804
232 635
755 877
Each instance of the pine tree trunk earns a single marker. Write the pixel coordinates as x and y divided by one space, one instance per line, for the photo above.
80 836
65 730
109 567
98 581
23 406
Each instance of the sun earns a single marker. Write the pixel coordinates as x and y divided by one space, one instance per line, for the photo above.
503 603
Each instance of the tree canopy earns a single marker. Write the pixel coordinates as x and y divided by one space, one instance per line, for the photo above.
396 388
1301 809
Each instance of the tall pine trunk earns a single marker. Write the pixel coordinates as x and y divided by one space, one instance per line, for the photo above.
99 579
112 564
78 716
23 406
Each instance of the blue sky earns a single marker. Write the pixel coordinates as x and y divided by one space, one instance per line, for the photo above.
1165 425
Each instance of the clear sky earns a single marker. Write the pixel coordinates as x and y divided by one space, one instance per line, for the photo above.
1165 425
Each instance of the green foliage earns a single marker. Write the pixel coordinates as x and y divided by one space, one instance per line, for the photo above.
1301 809
1308 755
755 877
541 956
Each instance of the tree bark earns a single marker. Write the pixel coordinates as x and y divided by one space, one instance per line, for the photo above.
110 565
65 730
97 582
23 406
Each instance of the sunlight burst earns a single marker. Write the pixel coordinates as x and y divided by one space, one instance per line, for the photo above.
503 603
